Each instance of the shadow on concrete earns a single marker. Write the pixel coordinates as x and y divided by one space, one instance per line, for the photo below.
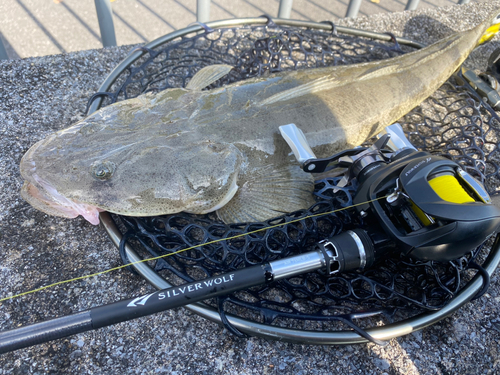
11 52
130 26
40 25
318 3
258 8
378 6
156 15
84 24
402 2
431 2
185 7
225 10
426 28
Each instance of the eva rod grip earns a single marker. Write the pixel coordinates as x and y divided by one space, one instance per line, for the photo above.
39 333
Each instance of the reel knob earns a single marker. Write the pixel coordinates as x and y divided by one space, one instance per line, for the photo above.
298 143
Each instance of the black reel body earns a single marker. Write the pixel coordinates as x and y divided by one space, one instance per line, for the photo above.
427 204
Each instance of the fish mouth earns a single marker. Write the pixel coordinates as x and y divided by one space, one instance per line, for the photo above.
43 196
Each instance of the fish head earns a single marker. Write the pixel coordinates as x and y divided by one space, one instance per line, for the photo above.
128 176
198 177
42 194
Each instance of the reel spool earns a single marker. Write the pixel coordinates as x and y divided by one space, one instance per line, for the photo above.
447 186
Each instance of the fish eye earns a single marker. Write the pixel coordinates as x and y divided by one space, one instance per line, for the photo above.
102 170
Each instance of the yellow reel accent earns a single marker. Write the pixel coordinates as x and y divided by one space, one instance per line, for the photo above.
489 33
420 214
449 189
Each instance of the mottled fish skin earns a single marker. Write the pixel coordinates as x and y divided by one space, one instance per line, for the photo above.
189 150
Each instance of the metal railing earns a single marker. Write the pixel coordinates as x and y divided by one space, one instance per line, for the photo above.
107 29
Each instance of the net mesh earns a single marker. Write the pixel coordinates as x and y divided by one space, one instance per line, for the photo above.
454 121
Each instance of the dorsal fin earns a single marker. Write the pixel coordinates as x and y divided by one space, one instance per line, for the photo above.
379 71
207 76
330 81
320 84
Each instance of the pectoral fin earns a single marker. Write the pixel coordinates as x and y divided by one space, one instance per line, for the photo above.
207 76
269 192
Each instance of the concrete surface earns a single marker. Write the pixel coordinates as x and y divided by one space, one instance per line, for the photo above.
43 94
43 27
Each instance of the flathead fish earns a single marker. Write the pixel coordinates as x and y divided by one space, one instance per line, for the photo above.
197 151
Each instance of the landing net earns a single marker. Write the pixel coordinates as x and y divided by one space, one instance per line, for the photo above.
454 122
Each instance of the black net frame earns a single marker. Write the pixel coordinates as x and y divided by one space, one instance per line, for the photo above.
454 121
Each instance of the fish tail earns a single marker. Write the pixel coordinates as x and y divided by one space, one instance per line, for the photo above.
491 27
489 34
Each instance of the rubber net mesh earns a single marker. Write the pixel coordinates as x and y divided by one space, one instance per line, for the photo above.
453 121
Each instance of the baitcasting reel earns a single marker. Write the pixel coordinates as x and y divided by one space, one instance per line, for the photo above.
425 205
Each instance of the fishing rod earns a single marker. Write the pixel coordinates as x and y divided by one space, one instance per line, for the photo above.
336 255
425 206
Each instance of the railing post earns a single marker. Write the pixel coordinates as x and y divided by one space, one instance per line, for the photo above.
105 18
203 10
412 4
3 52
353 8
285 8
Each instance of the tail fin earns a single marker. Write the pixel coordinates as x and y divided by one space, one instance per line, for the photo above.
489 34
492 30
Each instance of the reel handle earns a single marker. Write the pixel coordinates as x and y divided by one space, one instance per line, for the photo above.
297 142
305 155
391 137
397 140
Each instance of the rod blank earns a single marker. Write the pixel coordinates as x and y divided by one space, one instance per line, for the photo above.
165 299
45 331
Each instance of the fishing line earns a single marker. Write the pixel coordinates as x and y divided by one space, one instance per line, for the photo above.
182 250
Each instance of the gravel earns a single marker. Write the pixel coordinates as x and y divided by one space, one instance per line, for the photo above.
40 95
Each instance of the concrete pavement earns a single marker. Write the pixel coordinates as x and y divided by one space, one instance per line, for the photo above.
42 94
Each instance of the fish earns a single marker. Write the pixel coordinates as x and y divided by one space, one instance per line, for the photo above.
198 151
